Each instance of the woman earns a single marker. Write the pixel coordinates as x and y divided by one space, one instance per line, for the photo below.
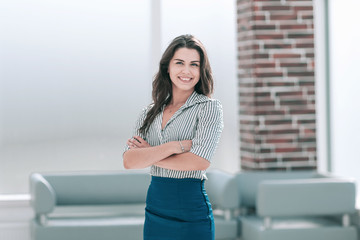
177 136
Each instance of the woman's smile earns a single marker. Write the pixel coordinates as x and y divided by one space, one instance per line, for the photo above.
185 79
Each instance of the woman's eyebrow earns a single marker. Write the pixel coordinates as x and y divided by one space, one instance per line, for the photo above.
177 59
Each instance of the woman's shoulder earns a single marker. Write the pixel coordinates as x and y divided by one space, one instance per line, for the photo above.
206 100
210 102
210 106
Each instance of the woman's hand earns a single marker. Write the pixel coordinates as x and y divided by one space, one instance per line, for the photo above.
137 142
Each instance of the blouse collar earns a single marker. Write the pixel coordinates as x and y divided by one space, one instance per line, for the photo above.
196 98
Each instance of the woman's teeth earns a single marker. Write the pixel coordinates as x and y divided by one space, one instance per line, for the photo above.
185 79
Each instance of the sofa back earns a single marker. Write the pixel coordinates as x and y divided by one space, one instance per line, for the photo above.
248 182
306 197
84 188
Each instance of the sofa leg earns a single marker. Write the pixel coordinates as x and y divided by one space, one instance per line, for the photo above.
227 215
267 222
42 219
346 220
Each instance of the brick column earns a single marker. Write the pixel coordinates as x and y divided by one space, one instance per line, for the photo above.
276 84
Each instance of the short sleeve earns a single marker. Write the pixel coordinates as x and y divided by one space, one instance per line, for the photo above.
139 122
208 131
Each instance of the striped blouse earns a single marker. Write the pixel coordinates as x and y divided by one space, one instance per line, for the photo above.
200 119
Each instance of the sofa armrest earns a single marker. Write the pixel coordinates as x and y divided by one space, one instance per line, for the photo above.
222 189
304 197
43 197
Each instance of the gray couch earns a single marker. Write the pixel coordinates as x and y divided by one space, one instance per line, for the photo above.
247 205
295 206
110 206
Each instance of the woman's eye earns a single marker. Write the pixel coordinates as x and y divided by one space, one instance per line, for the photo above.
178 63
195 65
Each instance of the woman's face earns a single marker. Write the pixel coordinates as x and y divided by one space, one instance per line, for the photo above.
184 69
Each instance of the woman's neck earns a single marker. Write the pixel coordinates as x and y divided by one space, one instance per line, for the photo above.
179 98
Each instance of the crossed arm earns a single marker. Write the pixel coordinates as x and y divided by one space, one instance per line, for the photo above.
168 155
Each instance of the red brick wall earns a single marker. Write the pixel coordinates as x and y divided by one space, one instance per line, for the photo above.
276 84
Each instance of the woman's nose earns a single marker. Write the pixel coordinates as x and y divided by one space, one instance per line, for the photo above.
186 69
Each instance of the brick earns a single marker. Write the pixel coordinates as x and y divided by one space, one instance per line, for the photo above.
262 94
292 93
258 17
260 55
284 150
276 8
307 16
307 168
293 64
264 150
293 26
303 8
311 92
283 17
280 84
300 74
279 140
250 140
300 159
305 45
247 122
265 65
287 55
269 36
293 102
302 111
307 83
276 122
268 74
311 149
305 121
309 139
264 103
277 46
264 27
286 131
279 132
301 35
268 160
268 112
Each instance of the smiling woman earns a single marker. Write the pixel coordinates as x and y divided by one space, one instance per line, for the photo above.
177 136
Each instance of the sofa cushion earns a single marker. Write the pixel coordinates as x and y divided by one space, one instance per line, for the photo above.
225 229
248 182
114 228
300 228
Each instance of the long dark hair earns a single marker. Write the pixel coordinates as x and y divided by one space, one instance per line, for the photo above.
162 85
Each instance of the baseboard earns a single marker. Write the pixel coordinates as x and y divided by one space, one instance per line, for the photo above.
15 215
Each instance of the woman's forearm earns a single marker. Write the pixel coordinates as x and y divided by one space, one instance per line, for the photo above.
184 162
137 158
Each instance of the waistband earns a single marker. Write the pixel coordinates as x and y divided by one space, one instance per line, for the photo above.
176 180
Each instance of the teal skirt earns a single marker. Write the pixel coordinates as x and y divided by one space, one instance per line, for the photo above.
178 209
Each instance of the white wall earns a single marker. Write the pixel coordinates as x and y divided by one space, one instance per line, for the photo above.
345 86
74 76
